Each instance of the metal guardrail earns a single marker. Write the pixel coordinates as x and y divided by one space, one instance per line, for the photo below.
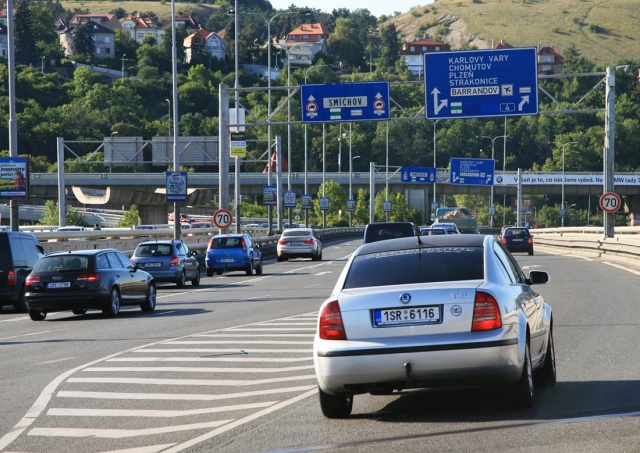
591 240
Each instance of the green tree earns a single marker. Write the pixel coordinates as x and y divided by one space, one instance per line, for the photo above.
337 212
345 44
51 213
24 40
83 43
389 47
130 219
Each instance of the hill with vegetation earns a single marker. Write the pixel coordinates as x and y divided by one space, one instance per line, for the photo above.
606 32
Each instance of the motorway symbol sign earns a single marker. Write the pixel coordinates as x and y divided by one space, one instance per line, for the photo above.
610 202
418 174
345 102
481 83
474 172
222 218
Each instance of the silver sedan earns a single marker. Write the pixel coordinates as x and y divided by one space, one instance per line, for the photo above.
431 311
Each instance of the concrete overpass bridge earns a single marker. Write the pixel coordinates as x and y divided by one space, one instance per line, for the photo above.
147 190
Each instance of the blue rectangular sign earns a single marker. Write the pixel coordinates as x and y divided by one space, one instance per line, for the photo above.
337 102
473 172
481 83
418 174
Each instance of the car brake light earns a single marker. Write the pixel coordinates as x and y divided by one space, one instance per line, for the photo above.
32 279
89 277
486 313
330 325
309 241
281 242
244 246
503 240
530 240
11 277
174 262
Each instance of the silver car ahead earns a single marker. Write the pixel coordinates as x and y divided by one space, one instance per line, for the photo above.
430 311
299 243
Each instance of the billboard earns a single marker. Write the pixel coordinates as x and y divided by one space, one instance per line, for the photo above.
14 177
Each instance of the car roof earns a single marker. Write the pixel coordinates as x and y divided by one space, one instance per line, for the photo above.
160 241
445 240
80 252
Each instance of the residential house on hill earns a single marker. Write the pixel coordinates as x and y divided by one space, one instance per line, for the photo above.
108 20
549 60
303 43
104 39
502 44
413 52
212 41
139 28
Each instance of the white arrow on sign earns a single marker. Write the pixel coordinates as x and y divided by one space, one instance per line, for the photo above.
443 103
525 100
455 177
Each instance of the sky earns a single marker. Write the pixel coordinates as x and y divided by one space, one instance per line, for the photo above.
376 7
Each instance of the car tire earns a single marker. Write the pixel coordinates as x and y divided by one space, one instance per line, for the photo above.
182 282
249 270
79 311
280 258
335 406
150 303
259 268
522 392
114 304
37 315
21 304
209 272
196 279
547 375
530 252
218 272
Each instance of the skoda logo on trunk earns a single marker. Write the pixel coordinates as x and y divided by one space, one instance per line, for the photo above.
405 298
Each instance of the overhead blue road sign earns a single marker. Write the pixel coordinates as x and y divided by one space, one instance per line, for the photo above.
474 172
337 102
481 83
418 174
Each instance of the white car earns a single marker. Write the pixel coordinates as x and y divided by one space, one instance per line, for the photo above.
299 243
433 311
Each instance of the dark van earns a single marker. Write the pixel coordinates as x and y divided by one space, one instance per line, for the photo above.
381 231
19 252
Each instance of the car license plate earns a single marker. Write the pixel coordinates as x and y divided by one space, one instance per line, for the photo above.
59 285
153 265
516 240
429 314
227 260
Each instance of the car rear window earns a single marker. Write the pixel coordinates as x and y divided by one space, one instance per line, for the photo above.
62 263
154 250
296 234
384 232
227 243
424 265
516 232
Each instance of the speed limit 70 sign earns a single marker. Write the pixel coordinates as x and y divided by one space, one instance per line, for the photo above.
610 202
222 218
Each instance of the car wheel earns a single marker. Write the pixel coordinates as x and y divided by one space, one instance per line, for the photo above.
218 272
335 406
522 393
150 303
320 256
183 280
37 315
209 273
249 270
79 311
547 375
21 304
196 280
114 304
259 268
530 252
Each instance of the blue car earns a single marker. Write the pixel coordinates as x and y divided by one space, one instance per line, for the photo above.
233 252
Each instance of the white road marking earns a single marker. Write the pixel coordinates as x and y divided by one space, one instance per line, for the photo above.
176 369
240 342
180 396
189 382
145 449
14 320
243 359
220 351
58 360
25 335
617 266
273 335
121 433
70 412
258 328
322 273
163 313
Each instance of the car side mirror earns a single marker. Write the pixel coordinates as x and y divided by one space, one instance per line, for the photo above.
538 277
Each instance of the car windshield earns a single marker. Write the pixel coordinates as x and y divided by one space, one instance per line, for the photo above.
154 250
425 265
61 263
227 243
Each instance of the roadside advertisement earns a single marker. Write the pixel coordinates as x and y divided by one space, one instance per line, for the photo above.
14 177
528 206
176 185
351 205
270 195
289 199
306 201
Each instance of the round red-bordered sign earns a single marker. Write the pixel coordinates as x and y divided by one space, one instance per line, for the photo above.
610 202
222 218
378 104
312 107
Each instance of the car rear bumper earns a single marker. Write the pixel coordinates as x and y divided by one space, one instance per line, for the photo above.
67 301
171 275
359 370
520 248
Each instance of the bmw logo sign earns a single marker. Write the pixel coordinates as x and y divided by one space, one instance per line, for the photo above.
499 179
405 298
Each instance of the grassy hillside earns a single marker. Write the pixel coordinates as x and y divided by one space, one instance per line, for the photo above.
604 31
162 9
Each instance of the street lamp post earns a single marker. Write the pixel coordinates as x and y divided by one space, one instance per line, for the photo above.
434 158
351 159
122 59
268 22
562 202
42 63
370 63
169 112
493 144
